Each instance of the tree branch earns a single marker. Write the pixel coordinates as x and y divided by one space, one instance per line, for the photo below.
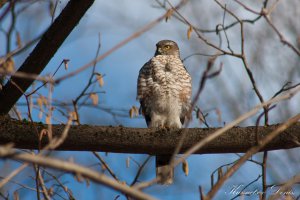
142 140
44 51
253 150
6 151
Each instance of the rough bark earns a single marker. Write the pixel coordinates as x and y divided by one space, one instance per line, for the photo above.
142 140
43 52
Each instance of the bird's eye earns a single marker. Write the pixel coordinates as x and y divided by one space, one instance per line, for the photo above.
167 47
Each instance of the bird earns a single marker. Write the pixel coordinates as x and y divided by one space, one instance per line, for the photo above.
164 89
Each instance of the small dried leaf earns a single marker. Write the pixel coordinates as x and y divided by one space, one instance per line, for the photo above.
185 167
100 79
73 115
8 65
19 41
65 188
44 100
189 32
79 177
40 103
94 98
16 195
136 111
131 112
51 191
169 14
127 162
48 119
66 61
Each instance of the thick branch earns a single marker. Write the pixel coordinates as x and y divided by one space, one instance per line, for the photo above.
44 51
141 140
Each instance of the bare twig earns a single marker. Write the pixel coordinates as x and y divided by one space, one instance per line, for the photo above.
140 171
22 185
44 51
67 191
264 175
12 174
37 182
146 184
245 62
202 38
42 183
121 44
266 14
245 187
105 165
73 168
49 78
247 8
25 75
221 131
52 145
249 153
285 188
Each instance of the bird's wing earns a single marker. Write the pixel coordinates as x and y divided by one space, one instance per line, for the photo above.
143 90
185 95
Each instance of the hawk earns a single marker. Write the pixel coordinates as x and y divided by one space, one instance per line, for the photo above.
164 90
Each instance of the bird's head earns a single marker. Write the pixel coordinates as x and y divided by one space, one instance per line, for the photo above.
167 47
